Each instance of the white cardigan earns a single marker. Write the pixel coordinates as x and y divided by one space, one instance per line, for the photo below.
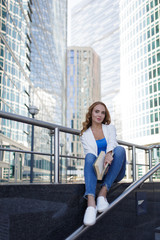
89 143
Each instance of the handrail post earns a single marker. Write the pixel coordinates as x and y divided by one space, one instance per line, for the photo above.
56 155
134 162
150 163
32 155
51 135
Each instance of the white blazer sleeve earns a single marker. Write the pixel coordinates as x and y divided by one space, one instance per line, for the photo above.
111 141
84 144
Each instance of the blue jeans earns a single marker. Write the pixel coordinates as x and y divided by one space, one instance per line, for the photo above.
115 173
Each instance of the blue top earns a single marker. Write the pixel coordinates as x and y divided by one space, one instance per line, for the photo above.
102 145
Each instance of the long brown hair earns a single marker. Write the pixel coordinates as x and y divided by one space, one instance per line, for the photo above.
88 122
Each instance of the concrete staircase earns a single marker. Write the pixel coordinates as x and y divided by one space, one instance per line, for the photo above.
53 212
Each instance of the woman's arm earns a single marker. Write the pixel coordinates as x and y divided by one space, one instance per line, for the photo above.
111 141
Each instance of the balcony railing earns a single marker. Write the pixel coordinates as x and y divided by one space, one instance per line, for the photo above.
54 172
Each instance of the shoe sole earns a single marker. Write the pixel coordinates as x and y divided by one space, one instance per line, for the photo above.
89 224
102 209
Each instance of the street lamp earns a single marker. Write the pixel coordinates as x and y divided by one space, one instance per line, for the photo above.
33 111
61 145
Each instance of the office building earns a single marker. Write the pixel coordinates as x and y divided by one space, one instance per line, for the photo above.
33 41
140 72
83 88
96 24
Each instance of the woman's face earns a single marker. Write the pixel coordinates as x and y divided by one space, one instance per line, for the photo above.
98 114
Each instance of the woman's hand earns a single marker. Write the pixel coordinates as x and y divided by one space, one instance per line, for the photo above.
108 158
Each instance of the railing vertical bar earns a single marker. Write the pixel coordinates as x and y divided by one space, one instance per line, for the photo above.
56 155
51 159
150 163
134 163
32 156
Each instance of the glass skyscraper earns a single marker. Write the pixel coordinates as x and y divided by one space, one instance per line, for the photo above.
140 75
32 61
140 71
33 39
96 24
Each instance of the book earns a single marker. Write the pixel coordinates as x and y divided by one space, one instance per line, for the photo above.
99 167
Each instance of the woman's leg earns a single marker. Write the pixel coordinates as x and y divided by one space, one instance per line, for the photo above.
117 169
90 178
90 183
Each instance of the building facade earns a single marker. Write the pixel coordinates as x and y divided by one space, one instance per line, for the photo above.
33 39
83 88
140 72
99 29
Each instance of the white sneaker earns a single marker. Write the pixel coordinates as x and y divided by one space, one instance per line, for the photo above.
90 216
102 204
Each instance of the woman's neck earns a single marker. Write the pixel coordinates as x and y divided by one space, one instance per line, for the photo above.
96 126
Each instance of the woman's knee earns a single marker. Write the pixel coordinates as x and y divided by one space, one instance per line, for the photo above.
120 150
90 158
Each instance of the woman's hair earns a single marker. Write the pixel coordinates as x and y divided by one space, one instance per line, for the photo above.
88 122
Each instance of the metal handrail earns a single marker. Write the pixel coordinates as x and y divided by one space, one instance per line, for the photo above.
126 192
59 128
39 123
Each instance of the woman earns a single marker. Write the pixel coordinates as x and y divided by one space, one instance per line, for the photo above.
99 135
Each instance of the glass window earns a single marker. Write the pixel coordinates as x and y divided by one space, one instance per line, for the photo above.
152 31
154 73
157 29
152 131
156 15
148 33
157 43
158 56
147 7
155 87
158 70
150 75
151 103
148 22
156 130
149 61
155 102
151 118
156 117
153 45
159 86
151 4
153 59
150 89
156 2
149 47
152 18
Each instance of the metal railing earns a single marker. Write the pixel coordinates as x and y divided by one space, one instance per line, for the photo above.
126 192
57 130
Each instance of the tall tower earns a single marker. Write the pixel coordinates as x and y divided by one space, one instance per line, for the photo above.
140 71
33 40
83 88
140 74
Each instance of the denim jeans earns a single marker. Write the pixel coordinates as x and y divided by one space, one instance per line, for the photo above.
115 173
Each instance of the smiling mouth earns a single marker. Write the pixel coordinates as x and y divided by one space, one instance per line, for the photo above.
99 119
